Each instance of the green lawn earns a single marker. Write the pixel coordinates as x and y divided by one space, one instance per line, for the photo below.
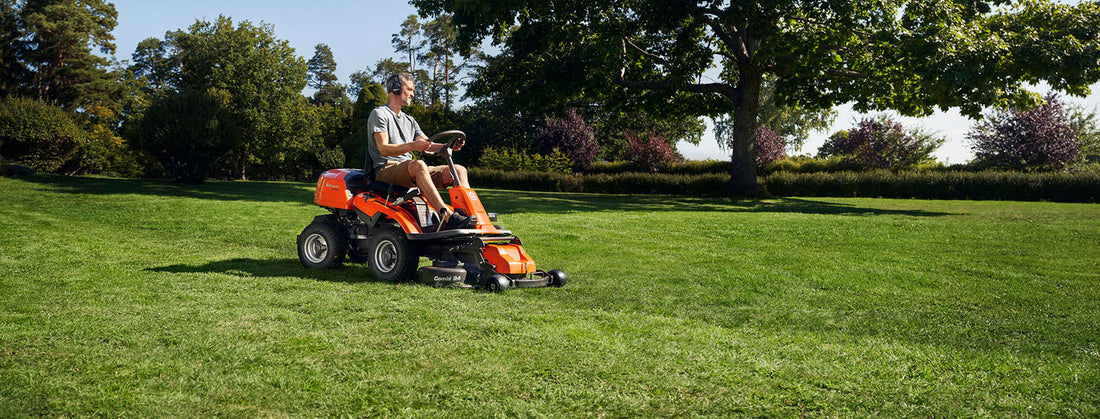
146 298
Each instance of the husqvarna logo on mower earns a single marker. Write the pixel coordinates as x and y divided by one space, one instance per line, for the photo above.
332 186
472 195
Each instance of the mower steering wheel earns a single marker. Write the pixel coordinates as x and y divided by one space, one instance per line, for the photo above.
455 136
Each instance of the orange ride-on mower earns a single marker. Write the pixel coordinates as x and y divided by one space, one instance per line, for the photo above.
389 228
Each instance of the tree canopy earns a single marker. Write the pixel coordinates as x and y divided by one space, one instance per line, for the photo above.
910 56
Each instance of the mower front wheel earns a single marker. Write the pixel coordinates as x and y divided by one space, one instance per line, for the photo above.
390 255
321 244
498 283
557 278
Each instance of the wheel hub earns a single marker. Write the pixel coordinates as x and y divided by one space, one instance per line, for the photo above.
385 256
316 248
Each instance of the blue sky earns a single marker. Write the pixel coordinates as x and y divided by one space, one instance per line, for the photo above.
359 34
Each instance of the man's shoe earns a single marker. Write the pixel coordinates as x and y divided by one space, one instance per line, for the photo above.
455 221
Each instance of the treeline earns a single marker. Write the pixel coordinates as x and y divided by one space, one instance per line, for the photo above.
224 99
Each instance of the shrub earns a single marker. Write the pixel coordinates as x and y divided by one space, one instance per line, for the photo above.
38 135
650 152
881 143
1043 137
186 132
513 160
573 137
769 146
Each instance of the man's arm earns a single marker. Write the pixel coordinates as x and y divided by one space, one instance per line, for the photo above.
382 140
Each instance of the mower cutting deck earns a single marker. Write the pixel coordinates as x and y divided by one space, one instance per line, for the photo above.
390 228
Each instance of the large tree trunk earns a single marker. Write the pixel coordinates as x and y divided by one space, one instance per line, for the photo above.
746 108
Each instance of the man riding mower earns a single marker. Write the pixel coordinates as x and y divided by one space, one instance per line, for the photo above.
390 228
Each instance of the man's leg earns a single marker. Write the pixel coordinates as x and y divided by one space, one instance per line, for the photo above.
418 171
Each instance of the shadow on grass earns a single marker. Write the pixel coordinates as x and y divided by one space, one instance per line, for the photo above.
501 201
512 202
270 268
212 190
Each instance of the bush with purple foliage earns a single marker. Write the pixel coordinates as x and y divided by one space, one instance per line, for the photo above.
881 143
650 152
572 136
1043 137
769 146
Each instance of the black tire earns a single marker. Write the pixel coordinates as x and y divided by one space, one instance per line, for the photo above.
390 255
322 244
498 283
557 278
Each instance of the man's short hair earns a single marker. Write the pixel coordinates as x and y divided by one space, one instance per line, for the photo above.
395 82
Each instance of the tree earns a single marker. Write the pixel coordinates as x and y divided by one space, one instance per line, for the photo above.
60 36
1041 137
387 66
13 75
405 41
882 143
572 136
770 146
263 78
650 151
792 124
439 46
37 134
322 76
155 61
187 131
911 56
371 95
1087 125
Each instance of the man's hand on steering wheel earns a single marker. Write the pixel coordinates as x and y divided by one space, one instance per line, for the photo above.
455 141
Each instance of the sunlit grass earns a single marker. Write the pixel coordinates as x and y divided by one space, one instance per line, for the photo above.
146 298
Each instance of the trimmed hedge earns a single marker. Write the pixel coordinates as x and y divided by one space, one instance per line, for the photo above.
619 183
990 185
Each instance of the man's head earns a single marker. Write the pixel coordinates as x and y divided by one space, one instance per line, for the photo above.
400 86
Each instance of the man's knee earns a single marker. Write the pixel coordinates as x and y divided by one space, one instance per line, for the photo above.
416 167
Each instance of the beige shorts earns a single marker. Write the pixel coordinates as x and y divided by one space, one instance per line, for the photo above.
397 173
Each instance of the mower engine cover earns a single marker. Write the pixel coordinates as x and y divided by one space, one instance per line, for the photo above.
332 188
509 259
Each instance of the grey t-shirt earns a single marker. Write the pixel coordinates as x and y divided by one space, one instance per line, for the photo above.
401 128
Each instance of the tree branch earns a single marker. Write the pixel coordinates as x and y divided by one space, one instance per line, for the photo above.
718 88
734 42
656 57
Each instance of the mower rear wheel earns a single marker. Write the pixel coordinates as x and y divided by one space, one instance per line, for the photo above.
321 244
390 255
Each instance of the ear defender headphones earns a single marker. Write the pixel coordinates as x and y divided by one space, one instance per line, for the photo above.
393 84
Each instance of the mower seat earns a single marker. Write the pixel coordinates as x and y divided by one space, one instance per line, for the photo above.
387 189
358 182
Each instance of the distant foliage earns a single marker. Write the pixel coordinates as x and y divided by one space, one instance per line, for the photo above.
882 143
41 136
1087 125
1043 137
573 137
186 132
513 160
650 152
770 146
